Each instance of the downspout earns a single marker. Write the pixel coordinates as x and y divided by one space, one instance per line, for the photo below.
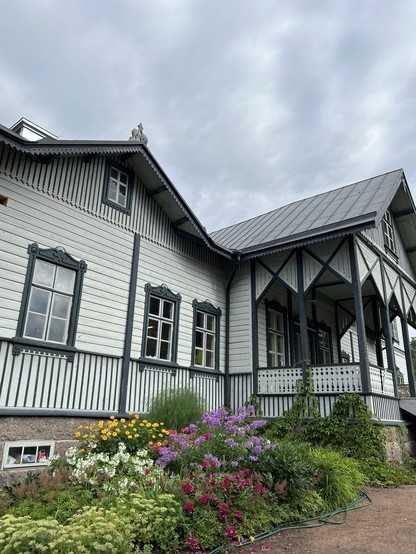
227 384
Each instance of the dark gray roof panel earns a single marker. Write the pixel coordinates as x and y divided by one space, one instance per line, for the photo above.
363 202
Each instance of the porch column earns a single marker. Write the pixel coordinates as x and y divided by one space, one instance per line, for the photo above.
388 341
376 323
407 349
359 314
254 329
303 322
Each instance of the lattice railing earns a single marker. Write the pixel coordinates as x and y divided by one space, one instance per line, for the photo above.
279 380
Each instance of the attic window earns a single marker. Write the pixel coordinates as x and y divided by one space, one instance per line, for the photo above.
388 231
118 187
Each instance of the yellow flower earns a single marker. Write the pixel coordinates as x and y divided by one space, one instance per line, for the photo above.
155 424
92 437
130 414
101 424
122 420
114 434
161 423
77 434
130 437
136 436
141 424
112 417
136 416
161 435
104 437
85 436
148 424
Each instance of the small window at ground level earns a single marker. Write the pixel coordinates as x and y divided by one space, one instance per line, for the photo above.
27 453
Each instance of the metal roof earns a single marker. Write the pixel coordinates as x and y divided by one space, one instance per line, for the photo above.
355 206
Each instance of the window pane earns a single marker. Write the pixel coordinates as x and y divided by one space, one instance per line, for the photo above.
200 320
114 174
154 305
167 309
279 322
199 339
210 322
198 356
57 330
122 200
39 301
44 273
61 306
166 331
210 342
151 347
165 350
65 279
152 328
35 326
112 191
123 178
209 359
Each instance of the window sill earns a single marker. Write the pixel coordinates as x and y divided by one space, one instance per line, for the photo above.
154 363
21 344
197 370
391 253
119 207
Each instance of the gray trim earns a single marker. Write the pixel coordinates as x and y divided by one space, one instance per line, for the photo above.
129 323
385 315
303 322
254 328
227 382
407 350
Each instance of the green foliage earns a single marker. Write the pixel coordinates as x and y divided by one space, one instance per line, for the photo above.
289 463
46 495
93 531
156 521
339 478
383 474
255 401
177 408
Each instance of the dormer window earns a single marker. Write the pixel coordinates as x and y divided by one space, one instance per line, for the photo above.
388 231
118 187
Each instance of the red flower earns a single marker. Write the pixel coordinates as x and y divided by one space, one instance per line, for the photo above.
147 471
192 543
187 487
246 472
203 498
185 429
259 487
238 515
223 508
189 507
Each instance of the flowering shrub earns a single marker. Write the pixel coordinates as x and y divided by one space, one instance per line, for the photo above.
219 439
134 432
117 472
236 504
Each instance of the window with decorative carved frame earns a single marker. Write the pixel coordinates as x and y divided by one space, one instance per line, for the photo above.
206 335
160 332
51 300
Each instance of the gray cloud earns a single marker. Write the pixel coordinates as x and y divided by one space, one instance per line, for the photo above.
247 106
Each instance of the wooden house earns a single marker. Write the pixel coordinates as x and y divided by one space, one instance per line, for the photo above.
111 290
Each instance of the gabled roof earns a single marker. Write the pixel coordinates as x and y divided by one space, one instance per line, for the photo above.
350 208
140 159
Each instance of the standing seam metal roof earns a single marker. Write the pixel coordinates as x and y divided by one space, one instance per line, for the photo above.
363 203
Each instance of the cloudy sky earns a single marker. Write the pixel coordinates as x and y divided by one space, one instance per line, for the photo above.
248 105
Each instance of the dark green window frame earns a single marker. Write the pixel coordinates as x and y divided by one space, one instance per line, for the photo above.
112 165
165 297
59 258
274 306
325 330
206 309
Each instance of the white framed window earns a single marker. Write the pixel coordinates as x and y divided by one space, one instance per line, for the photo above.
50 303
27 453
118 186
388 231
325 351
276 336
205 348
161 323
51 300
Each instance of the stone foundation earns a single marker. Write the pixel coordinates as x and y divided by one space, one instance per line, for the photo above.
400 444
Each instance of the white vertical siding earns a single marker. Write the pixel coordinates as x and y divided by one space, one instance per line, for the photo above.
240 322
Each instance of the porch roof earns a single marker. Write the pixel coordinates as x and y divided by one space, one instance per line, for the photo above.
357 206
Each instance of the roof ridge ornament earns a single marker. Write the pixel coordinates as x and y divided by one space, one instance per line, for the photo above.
138 135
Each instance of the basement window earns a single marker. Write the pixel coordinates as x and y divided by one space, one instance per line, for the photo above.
27 453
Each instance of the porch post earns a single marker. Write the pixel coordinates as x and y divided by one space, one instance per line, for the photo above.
359 313
407 349
254 329
303 322
391 362
376 323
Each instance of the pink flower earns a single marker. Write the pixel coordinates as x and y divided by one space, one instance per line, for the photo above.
192 543
189 507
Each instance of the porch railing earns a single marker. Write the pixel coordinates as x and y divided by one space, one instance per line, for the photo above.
381 380
327 379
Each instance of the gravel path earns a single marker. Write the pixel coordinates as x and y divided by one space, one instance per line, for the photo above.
388 526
